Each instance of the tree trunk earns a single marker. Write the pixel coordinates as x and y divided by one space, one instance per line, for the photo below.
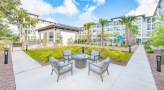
131 38
126 35
19 32
102 35
88 37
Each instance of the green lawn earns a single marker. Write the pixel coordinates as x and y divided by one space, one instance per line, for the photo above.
44 54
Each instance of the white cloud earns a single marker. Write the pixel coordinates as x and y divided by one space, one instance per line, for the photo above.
99 2
87 16
37 7
50 19
68 8
42 8
145 7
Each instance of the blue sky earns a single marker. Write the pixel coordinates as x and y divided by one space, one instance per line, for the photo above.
78 12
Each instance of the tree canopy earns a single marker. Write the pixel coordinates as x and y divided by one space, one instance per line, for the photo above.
157 36
88 26
129 27
12 13
103 22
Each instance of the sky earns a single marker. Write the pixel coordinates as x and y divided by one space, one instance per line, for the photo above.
78 12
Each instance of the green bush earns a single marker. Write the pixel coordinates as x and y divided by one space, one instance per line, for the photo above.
118 55
147 46
105 53
123 45
149 50
2 45
45 54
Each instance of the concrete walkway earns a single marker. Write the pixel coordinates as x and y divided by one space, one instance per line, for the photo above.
22 62
137 74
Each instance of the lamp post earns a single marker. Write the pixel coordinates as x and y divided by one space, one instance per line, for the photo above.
6 56
129 48
26 47
82 50
158 58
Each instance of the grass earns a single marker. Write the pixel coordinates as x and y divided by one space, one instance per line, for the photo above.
127 57
44 54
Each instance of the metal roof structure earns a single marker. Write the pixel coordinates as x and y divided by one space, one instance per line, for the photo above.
60 26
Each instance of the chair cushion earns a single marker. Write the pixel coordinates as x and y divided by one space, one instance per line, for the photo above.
65 69
94 53
92 58
66 57
107 60
67 52
54 61
94 68
104 64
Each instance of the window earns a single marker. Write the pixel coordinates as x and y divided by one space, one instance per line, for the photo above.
148 20
149 27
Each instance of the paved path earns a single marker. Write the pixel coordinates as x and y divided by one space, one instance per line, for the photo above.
22 62
137 74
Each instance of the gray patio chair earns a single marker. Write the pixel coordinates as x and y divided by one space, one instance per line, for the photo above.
94 56
99 68
60 67
67 55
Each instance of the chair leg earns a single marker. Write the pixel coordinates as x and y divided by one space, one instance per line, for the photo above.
51 71
58 78
107 72
101 77
89 70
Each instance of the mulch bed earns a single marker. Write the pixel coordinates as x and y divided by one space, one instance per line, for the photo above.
7 78
158 76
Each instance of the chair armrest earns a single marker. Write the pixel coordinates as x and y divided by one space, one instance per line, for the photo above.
94 65
62 60
67 64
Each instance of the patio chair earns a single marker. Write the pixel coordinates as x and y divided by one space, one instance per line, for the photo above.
60 67
99 68
94 56
67 55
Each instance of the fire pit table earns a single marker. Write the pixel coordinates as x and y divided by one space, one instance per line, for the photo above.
80 60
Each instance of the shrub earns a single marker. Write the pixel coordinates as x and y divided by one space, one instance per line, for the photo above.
2 46
149 50
110 45
117 54
105 53
147 46
123 45
88 50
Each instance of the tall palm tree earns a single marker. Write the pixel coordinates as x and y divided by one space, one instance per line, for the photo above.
103 22
88 26
130 29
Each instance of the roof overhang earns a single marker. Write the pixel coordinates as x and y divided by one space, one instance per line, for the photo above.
59 26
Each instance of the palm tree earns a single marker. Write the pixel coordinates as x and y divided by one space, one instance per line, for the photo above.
130 29
103 22
88 26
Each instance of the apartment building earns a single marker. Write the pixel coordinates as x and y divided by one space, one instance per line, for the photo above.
30 32
159 8
145 26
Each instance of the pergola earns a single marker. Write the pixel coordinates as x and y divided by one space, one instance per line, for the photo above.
56 28
59 26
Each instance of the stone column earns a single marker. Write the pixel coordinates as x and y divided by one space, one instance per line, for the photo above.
54 35
47 36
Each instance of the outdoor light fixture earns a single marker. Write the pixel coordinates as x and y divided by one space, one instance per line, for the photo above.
6 56
26 47
158 58
129 48
82 50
